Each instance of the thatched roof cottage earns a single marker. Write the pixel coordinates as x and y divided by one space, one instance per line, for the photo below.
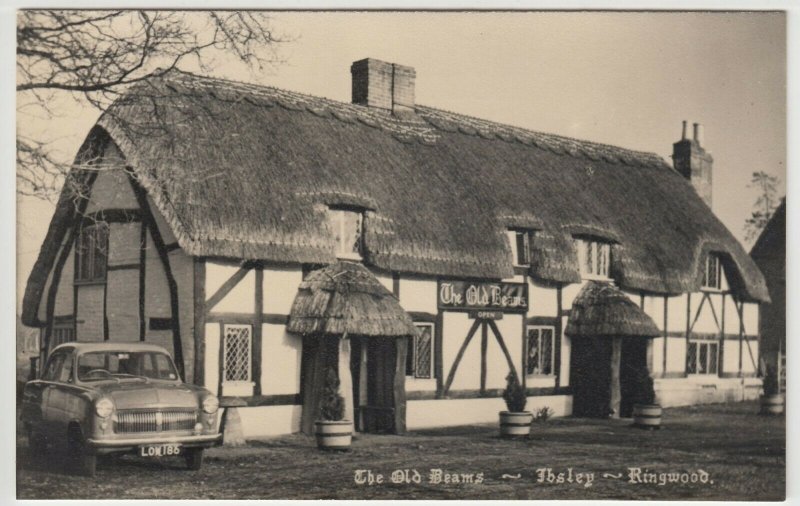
205 203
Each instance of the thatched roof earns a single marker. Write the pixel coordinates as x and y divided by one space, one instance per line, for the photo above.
346 299
246 171
600 309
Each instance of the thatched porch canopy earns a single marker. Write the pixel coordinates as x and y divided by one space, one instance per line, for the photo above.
347 299
601 309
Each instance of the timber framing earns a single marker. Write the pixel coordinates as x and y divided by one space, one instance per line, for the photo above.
491 393
150 222
227 286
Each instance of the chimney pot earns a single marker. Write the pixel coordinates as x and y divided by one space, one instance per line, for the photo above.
698 134
683 132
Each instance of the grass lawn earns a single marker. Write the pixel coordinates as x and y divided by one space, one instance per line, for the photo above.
742 453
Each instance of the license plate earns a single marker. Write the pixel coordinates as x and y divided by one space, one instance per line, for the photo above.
160 450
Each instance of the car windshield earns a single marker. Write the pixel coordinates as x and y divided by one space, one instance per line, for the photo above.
103 365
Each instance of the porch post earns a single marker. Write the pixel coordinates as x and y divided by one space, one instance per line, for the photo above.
616 360
345 378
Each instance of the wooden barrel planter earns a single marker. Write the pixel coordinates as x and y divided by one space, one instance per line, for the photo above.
334 436
772 404
515 424
647 416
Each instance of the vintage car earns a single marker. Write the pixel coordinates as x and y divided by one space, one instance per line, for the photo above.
113 397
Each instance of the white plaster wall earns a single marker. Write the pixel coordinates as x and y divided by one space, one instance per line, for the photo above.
429 413
750 319
543 300
280 288
658 355
123 243
705 390
266 421
111 190
704 322
240 299
418 295
634 297
568 294
211 377
90 313
420 384
281 353
749 356
65 295
161 223
676 354
654 308
455 328
385 280
676 314
540 381
122 305
730 358
497 369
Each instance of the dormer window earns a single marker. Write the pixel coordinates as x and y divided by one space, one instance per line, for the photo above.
712 277
520 241
594 258
348 231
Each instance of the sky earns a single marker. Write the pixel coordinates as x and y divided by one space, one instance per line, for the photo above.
627 79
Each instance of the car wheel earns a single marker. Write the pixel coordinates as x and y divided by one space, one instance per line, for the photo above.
194 458
86 462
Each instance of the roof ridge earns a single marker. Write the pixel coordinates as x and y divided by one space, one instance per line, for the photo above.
537 132
404 128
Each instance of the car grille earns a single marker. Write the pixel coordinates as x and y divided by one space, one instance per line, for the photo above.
129 421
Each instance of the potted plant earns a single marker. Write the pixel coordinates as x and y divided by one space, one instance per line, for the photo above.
772 399
646 412
331 430
516 422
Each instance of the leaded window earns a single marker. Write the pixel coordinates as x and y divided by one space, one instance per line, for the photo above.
348 230
419 357
540 349
712 276
702 357
91 253
237 349
594 258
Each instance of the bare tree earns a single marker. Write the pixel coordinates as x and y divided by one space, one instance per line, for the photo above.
764 206
94 56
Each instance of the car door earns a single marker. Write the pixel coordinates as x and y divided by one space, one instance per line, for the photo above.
49 393
62 394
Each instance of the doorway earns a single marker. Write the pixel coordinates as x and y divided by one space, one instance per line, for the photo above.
378 369
605 380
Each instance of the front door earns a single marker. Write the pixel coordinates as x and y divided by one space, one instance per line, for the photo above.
375 390
633 367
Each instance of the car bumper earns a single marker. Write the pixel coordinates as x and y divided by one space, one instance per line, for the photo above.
115 445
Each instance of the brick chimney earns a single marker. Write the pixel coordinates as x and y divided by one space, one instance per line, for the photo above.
384 85
692 161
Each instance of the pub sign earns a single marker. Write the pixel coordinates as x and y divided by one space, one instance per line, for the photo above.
483 295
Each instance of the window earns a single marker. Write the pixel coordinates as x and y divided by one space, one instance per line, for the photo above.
540 350
594 258
91 253
347 226
238 345
53 368
62 333
65 375
419 357
702 357
520 241
712 277
104 365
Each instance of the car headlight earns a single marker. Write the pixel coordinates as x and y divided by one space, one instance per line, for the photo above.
210 404
103 407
